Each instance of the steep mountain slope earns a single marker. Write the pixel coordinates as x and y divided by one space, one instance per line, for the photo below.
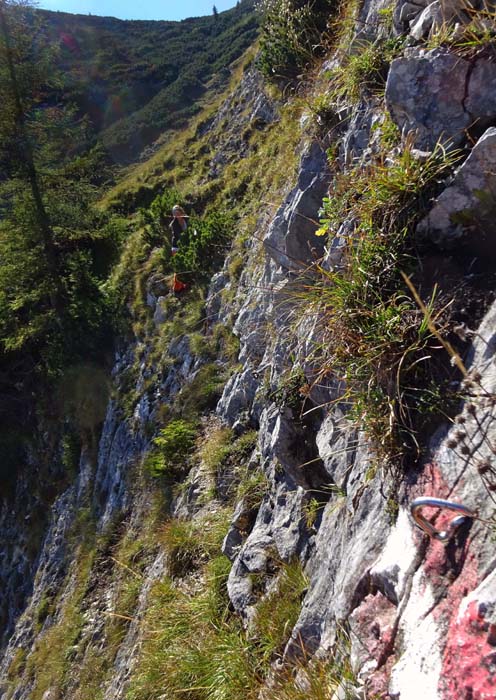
136 79
289 407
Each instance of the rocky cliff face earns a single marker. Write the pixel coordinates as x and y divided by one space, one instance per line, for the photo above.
414 616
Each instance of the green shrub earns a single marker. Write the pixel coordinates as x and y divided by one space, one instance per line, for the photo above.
158 216
174 444
203 246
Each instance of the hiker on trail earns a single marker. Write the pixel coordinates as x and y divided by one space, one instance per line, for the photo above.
178 226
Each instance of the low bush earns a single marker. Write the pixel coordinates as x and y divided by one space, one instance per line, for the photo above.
173 446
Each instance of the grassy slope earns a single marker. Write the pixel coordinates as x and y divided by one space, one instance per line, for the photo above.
135 79
183 160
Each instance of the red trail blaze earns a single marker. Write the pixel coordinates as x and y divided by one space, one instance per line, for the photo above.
469 668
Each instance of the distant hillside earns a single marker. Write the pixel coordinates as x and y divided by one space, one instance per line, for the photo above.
136 79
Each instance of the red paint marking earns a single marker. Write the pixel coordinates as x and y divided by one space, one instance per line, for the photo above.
469 664
469 661
431 482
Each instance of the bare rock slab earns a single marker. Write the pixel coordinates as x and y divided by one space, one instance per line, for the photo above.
466 209
438 96
291 239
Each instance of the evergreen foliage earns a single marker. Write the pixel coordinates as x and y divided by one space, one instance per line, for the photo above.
202 246
175 443
56 247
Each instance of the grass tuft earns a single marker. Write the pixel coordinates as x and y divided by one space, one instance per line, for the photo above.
377 342
278 611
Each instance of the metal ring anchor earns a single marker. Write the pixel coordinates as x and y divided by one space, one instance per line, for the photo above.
445 535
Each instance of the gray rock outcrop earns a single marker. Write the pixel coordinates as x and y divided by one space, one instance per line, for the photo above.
438 96
290 240
397 605
465 211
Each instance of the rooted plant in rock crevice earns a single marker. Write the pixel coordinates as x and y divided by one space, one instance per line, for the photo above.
375 339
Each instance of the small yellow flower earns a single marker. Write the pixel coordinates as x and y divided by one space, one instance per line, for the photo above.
321 231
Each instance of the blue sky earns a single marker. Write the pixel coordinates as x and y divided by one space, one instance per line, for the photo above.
139 9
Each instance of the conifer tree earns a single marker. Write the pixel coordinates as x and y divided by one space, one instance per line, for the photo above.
55 246
15 67
50 302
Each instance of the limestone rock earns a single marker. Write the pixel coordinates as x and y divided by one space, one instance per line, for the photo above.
160 315
357 137
405 11
156 286
430 18
214 301
348 542
291 239
232 543
425 93
238 396
371 21
480 102
337 443
241 524
371 625
263 111
466 208
469 657
447 608
389 573
408 11
437 95
118 447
